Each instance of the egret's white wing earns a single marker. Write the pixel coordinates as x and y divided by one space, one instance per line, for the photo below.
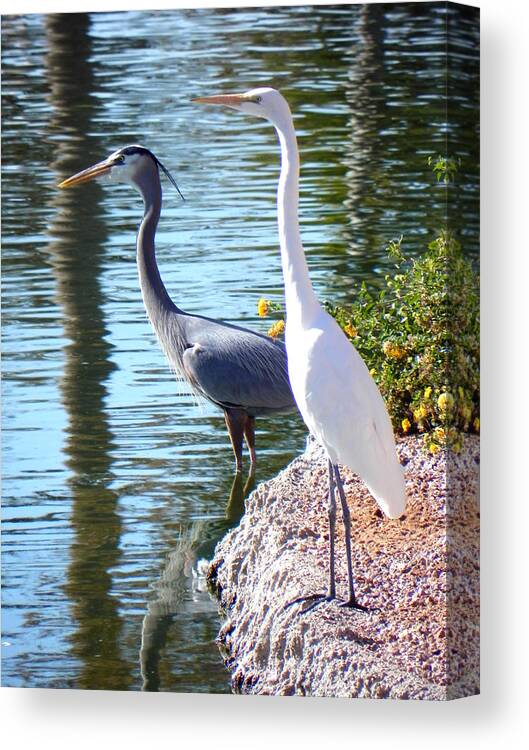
344 410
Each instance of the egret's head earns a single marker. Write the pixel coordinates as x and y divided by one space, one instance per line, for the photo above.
261 102
135 165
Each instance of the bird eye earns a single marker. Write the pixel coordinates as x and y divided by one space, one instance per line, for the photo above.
120 159
258 99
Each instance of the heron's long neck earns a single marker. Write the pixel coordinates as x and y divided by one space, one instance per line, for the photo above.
301 302
155 296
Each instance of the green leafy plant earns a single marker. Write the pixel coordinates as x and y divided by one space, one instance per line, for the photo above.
444 168
419 336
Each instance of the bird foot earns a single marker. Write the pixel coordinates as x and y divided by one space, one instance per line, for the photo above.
314 598
353 604
317 599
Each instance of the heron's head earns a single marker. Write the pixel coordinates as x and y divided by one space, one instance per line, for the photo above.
262 102
135 165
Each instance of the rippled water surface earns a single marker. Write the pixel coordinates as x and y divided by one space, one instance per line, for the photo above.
114 482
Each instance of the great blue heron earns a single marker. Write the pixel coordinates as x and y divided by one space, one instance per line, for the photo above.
336 395
242 372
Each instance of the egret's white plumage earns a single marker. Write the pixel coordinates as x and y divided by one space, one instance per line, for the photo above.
336 395
343 409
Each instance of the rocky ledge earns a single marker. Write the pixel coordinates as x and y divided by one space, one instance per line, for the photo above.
419 577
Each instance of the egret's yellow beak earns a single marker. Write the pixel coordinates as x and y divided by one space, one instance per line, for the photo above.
91 173
229 100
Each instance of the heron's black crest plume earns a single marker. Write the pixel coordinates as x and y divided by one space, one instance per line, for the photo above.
169 176
142 150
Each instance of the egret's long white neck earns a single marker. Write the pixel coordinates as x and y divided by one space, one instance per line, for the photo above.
301 302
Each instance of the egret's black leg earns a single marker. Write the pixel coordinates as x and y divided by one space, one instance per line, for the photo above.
352 601
332 526
331 593
235 422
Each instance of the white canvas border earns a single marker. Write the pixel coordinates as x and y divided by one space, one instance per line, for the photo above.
82 719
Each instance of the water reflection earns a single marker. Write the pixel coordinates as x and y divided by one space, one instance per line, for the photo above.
95 521
239 492
364 91
181 591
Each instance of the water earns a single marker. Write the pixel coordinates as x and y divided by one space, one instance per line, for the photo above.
114 482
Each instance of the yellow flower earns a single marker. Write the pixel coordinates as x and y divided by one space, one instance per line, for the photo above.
427 392
394 351
445 401
440 434
372 372
434 448
350 330
475 424
406 424
420 413
263 307
276 329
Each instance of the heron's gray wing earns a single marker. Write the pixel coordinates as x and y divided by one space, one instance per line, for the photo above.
235 367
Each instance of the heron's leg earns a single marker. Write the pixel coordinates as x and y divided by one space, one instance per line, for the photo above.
331 592
235 421
351 602
249 434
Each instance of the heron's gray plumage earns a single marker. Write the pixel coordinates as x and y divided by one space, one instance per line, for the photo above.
230 366
235 367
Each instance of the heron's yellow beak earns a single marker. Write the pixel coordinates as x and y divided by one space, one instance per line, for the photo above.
229 100
91 173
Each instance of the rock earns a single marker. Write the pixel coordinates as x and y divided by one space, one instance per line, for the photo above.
419 577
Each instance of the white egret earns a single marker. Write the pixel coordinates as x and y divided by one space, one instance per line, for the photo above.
336 395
